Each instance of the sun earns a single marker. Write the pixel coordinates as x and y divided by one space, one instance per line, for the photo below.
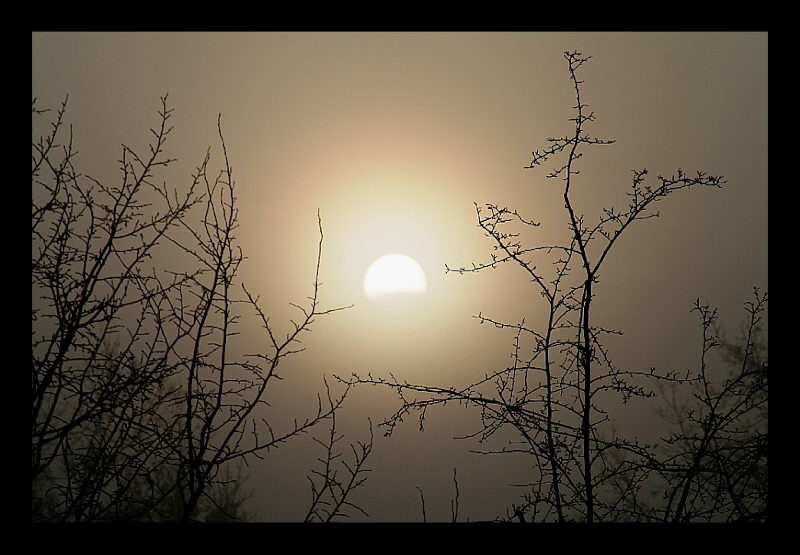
394 273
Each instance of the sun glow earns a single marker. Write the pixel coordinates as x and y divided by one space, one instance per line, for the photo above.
394 273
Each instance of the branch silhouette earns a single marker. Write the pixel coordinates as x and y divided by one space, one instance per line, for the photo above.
555 394
143 408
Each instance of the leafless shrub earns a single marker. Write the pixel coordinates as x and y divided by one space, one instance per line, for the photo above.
555 392
141 402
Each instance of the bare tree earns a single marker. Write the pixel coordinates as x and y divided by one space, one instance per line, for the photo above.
95 424
141 400
715 467
557 391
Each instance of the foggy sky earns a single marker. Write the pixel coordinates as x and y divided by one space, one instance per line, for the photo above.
393 137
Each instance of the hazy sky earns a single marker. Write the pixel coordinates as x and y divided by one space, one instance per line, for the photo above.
393 137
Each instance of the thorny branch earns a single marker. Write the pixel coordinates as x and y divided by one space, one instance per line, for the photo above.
139 400
329 495
550 392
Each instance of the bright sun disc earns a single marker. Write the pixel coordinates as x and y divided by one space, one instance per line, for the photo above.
394 273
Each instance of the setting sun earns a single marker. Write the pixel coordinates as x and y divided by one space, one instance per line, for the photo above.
352 263
394 273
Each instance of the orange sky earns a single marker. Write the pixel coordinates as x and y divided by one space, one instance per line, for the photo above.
393 137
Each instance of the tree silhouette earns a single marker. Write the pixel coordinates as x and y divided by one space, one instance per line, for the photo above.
142 404
715 466
558 389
